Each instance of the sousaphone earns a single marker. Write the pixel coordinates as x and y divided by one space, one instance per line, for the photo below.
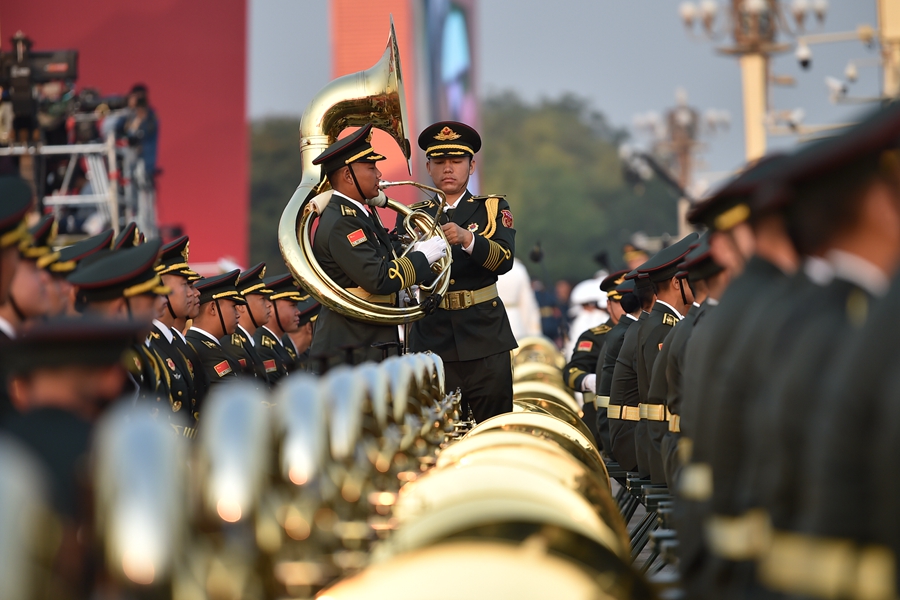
372 96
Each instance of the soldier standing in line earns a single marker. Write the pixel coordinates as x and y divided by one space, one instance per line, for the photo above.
470 330
623 294
580 374
285 318
301 340
217 318
240 345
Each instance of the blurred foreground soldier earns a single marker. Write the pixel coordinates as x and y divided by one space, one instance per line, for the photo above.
69 259
673 298
470 330
33 293
240 345
841 198
580 373
123 285
285 317
623 411
356 252
623 295
753 246
61 375
301 340
217 318
183 301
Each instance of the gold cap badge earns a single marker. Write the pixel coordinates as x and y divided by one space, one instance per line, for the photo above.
447 134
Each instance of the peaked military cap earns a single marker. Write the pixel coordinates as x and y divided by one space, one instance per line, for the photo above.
610 283
353 148
65 341
625 287
638 280
309 309
736 201
220 287
449 138
39 244
129 237
284 286
699 262
119 274
869 145
251 281
664 264
173 258
15 201
71 256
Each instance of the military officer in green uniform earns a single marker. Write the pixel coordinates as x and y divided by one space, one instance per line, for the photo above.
69 259
182 300
240 345
217 318
606 361
283 298
124 285
356 252
579 374
623 411
673 298
300 341
470 330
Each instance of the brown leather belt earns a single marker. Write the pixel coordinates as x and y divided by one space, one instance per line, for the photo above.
462 299
625 413
362 294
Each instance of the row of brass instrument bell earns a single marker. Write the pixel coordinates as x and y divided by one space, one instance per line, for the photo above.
364 483
520 507
279 495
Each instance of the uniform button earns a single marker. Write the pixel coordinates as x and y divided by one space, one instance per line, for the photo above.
452 281
176 406
179 392
494 304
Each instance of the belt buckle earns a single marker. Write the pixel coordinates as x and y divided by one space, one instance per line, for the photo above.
453 300
468 298
642 411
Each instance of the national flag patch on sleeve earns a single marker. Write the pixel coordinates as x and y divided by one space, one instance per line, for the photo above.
357 237
243 362
270 365
584 346
223 368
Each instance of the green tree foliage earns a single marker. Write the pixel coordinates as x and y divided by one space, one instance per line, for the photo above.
274 175
556 161
558 164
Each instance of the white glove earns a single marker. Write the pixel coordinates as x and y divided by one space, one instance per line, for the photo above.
433 248
380 200
589 383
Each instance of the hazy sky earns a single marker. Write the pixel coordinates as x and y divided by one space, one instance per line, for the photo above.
625 56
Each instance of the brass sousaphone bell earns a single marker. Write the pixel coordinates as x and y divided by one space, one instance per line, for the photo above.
373 96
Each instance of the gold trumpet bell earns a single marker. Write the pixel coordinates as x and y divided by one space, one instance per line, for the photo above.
538 349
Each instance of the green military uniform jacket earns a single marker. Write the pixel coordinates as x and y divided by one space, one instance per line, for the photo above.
355 251
585 355
288 344
606 364
180 370
659 324
483 329
215 362
624 393
276 358
201 380
239 347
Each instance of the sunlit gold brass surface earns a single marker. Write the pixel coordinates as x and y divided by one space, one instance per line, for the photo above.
546 391
538 349
538 371
545 426
548 407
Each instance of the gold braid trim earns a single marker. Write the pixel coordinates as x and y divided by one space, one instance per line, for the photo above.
496 255
492 205
403 270
574 373
15 236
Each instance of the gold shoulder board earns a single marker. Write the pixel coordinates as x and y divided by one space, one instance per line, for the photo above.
669 320
486 196
209 344
601 329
